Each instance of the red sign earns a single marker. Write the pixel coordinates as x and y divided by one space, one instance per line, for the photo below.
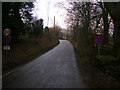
7 40
98 40
98 31
7 31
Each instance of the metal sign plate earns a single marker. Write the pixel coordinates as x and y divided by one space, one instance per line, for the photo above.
98 31
98 40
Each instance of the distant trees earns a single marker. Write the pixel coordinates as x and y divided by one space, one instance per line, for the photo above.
38 28
47 33
58 30
84 15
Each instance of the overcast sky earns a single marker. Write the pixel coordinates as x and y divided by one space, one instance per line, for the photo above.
49 8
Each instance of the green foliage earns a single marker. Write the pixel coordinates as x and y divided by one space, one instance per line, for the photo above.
108 64
106 49
106 57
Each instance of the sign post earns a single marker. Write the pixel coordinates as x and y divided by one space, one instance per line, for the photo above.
98 39
7 39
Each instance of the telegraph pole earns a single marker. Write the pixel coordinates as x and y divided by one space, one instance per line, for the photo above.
54 22
48 13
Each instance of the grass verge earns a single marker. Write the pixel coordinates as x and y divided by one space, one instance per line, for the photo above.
25 51
93 76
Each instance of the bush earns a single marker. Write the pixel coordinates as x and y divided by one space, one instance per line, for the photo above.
106 57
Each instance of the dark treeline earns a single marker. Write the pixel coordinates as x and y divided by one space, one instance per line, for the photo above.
28 36
113 9
83 18
18 17
86 16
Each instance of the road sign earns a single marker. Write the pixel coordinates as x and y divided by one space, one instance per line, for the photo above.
7 31
98 40
7 40
7 47
99 31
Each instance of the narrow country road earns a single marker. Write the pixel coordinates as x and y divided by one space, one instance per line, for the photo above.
54 69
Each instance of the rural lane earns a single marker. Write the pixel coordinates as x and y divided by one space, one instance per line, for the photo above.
55 69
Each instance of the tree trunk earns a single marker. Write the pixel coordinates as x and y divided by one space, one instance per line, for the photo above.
106 24
116 38
106 27
17 6
114 9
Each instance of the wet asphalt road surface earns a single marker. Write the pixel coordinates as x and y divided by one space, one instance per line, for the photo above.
54 69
